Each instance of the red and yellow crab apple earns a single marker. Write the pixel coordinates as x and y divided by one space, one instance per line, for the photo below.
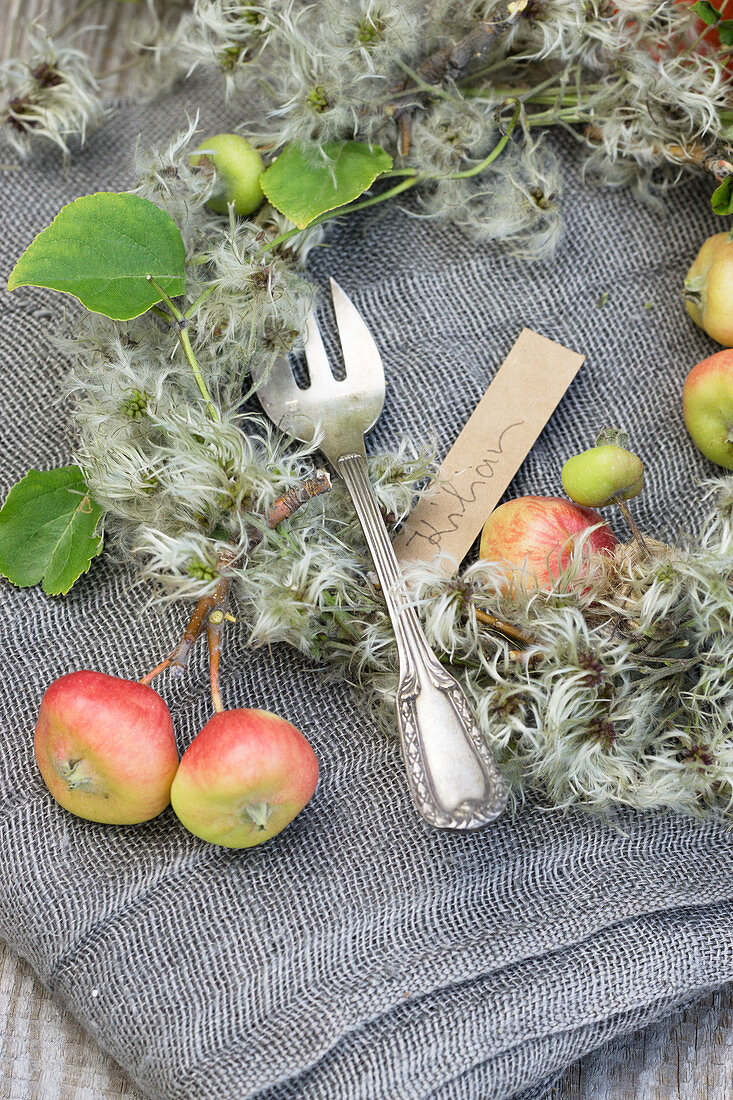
105 747
709 289
533 538
707 406
244 778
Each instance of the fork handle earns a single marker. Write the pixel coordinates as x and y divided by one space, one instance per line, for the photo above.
453 777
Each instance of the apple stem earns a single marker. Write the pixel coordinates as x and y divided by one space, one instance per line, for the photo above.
150 676
513 633
177 660
214 624
215 602
632 524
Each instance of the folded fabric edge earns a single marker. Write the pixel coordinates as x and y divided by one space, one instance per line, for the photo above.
599 1035
464 1003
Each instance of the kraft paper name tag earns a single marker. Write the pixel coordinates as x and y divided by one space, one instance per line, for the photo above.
487 454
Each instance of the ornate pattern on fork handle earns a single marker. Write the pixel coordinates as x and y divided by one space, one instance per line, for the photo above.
451 771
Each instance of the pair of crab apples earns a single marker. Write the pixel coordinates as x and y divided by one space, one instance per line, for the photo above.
107 752
534 538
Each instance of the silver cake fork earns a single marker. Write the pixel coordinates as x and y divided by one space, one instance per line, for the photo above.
451 772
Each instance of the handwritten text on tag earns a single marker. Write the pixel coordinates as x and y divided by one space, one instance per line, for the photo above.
487 454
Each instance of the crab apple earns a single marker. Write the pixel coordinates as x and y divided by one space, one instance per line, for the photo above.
105 748
244 777
709 289
602 475
707 406
238 168
533 537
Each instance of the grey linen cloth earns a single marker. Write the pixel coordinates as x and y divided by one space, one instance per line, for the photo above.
359 954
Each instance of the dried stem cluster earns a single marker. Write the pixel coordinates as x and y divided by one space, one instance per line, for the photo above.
210 611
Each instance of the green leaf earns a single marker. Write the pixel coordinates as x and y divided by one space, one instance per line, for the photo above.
725 32
100 249
48 530
722 197
307 181
706 11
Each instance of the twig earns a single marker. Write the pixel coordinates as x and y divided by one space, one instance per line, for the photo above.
718 165
451 62
177 660
150 676
289 503
521 655
216 601
513 633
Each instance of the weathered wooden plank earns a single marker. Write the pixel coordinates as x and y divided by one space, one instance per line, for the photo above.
686 1057
104 41
44 1053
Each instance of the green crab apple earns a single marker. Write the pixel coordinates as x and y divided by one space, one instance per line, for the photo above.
238 169
709 289
533 538
602 475
105 748
707 406
245 777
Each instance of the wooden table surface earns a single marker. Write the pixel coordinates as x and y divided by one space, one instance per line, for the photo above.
44 1054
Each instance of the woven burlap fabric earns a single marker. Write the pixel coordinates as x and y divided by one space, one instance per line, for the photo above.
361 955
